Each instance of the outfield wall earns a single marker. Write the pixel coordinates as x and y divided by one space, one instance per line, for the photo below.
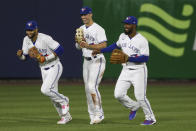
58 18
168 25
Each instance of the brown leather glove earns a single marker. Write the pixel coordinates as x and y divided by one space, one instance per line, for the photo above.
79 37
34 53
118 57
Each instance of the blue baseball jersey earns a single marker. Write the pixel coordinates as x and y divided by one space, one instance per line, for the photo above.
136 46
93 34
45 45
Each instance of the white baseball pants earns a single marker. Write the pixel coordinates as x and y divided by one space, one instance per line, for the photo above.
92 74
50 77
137 78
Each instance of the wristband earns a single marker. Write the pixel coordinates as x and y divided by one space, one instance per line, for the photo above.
22 57
51 56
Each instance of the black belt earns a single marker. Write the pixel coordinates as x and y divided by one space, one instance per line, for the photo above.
47 68
131 69
89 58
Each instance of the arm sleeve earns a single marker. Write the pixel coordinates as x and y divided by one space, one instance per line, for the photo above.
144 51
144 48
25 48
55 46
101 36
109 48
138 59
59 51
118 43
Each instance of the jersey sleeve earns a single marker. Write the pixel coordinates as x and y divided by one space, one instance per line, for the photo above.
118 43
144 48
52 44
25 47
101 36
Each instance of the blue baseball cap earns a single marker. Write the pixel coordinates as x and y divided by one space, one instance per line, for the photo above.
31 25
85 10
130 20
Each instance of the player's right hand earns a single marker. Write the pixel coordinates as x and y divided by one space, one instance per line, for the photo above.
19 53
95 52
76 40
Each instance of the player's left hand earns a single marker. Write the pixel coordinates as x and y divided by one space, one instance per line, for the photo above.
95 52
34 53
84 44
41 59
118 57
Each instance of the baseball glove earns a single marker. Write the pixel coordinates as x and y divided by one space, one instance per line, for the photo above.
34 53
118 57
79 35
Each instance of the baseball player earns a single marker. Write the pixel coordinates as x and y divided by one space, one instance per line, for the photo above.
135 48
50 65
94 37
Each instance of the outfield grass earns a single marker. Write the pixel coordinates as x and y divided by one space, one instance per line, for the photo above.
24 108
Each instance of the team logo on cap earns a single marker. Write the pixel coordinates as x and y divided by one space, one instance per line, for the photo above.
128 18
83 9
29 24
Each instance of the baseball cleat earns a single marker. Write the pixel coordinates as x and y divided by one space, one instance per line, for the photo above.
65 119
132 115
148 122
91 122
97 120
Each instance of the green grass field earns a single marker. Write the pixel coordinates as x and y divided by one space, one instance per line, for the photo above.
24 108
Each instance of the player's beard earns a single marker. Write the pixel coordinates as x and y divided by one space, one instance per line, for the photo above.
32 36
128 32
